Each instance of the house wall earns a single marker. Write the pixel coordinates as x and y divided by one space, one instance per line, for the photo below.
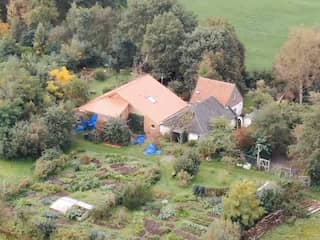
238 108
236 101
151 129
164 130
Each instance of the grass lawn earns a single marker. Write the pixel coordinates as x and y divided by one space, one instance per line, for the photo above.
113 81
12 171
262 25
306 229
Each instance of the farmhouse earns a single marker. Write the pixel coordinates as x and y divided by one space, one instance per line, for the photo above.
144 97
195 121
226 93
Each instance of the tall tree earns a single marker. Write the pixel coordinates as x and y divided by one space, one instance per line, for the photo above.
161 45
297 65
220 49
40 38
42 11
140 13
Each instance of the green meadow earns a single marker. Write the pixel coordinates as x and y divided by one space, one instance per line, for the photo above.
262 25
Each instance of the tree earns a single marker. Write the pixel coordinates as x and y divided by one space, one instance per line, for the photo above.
220 51
40 39
314 168
123 52
297 63
307 139
93 26
25 139
141 13
275 123
241 204
59 121
117 131
135 195
161 45
222 136
221 229
42 11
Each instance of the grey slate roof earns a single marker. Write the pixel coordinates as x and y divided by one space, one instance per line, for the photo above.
200 116
204 112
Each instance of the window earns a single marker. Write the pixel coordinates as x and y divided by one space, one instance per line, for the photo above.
152 99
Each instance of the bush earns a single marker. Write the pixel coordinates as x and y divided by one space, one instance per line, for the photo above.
51 154
207 149
46 229
136 195
96 235
270 200
117 132
221 229
70 234
45 168
199 191
100 75
25 139
189 162
103 210
184 178
153 176
241 204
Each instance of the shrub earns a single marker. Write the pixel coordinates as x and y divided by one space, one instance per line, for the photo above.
96 235
46 229
103 209
199 191
293 197
221 229
189 162
184 178
241 204
100 75
25 139
135 195
153 175
51 154
117 132
10 191
45 168
270 200
207 149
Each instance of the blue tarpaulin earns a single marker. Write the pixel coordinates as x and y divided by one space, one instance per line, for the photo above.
152 149
140 140
87 125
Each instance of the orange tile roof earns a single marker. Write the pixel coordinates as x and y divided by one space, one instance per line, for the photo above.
145 94
206 88
111 106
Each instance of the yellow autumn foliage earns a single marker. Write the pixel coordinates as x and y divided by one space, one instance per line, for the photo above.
4 28
62 75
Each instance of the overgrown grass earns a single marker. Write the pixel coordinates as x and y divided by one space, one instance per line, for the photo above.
262 25
306 229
